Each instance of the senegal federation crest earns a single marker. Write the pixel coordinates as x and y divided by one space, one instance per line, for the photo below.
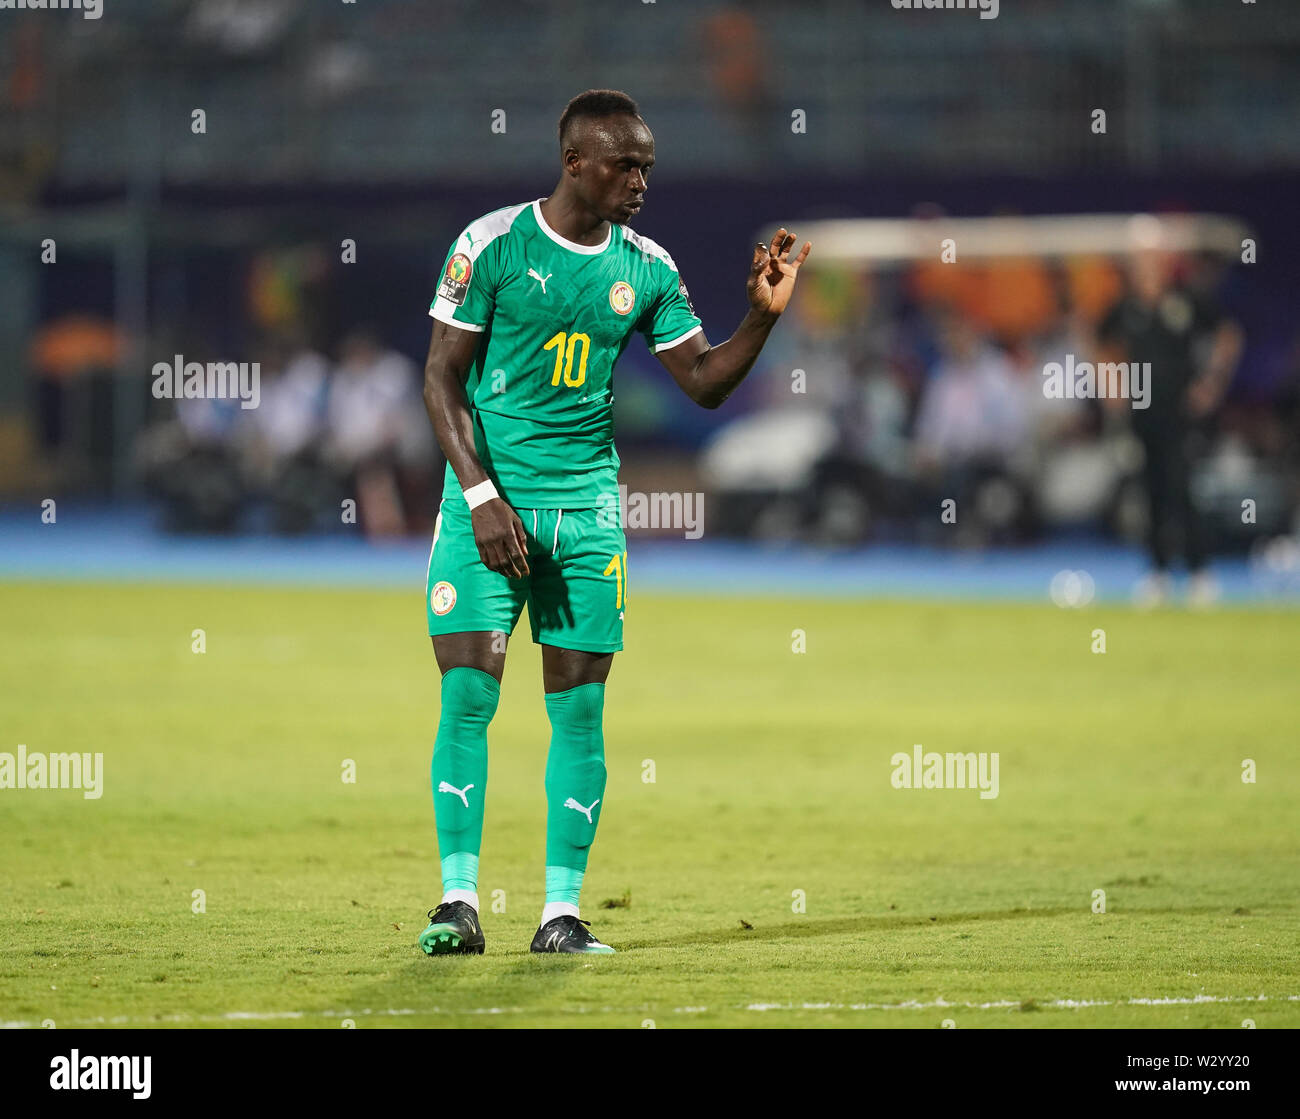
621 297
442 598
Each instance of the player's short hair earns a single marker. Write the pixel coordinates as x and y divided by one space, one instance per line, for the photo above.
596 103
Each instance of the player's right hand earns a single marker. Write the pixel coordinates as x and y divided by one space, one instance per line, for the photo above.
499 534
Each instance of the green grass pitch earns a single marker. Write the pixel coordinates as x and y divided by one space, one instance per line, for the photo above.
223 771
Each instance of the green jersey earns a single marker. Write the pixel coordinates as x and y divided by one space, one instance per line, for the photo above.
555 316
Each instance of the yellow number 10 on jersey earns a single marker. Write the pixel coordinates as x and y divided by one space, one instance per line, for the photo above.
564 358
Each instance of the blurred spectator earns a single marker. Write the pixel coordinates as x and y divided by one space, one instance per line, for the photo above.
972 419
863 476
291 413
1072 474
281 444
1052 420
192 462
972 410
378 435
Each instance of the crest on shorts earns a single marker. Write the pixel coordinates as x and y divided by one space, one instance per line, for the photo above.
621 297
455 280
442 598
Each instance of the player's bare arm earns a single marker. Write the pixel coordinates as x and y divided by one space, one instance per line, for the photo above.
710 374
498 531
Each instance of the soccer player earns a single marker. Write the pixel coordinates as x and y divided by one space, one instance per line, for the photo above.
536 303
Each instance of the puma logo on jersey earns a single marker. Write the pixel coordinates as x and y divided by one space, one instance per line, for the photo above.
571 803
540 279
448 787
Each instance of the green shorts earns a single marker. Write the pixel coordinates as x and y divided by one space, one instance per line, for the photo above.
576 589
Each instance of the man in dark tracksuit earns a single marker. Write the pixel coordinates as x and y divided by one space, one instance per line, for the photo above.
1163 324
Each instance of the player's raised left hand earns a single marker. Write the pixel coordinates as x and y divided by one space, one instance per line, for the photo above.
772 273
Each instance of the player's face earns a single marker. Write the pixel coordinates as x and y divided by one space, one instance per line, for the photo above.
615 166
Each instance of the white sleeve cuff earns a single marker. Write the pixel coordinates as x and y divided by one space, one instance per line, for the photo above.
676 341
444 311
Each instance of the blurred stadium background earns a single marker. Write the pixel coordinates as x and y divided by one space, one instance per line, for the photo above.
331 125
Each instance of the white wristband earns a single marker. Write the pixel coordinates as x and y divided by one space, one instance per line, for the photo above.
484 491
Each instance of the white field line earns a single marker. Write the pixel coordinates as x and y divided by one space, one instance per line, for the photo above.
910 1004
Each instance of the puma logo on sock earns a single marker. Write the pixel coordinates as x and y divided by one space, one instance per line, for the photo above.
447 787
571 803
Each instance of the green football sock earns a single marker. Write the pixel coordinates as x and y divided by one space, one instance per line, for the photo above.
575 786
460 872
563 884
458 773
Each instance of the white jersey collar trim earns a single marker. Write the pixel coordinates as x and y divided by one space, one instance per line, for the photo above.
564 242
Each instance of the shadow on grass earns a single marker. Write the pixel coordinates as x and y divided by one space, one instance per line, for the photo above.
503 979
839 926
518 981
